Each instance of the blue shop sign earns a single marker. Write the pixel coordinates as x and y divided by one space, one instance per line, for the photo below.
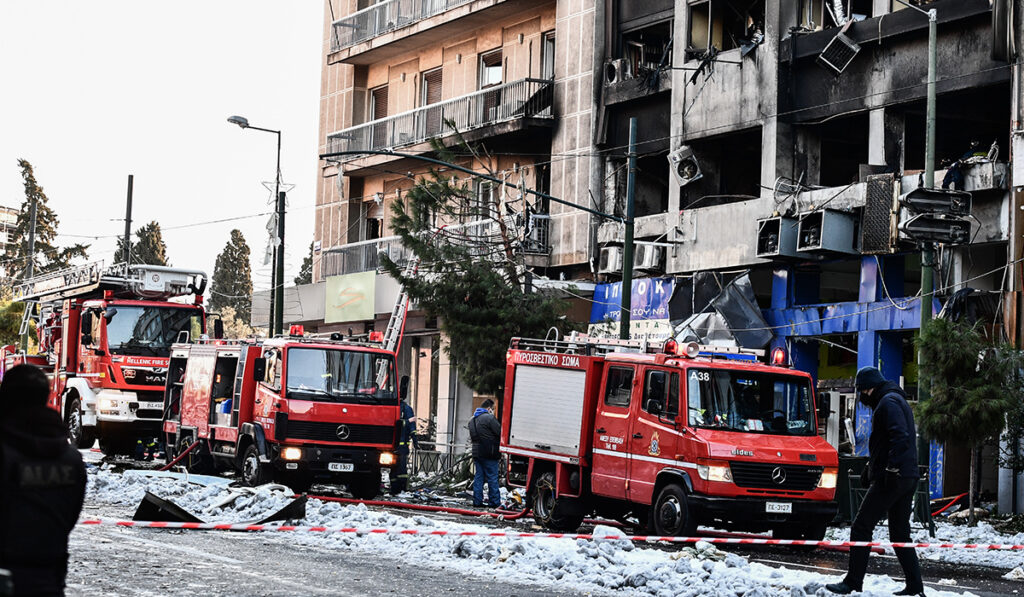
649 300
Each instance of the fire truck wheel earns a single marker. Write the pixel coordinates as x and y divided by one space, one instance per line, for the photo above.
254 473
79 435
549 510
365 486
670 516
116 445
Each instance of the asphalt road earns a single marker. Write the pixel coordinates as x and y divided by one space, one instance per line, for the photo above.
107 560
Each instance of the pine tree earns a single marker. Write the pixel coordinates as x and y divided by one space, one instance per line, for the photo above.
973 386
306 271
231 285
471 278
47 257
148 248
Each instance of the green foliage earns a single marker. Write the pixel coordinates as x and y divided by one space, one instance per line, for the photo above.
973 384
148 247
46 256
306 271
10 322
231 285
470 278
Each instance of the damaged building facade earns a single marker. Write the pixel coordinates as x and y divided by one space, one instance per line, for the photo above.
778 139
774 140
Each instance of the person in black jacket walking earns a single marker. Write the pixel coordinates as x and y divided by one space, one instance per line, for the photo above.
42 485
892 474
485 431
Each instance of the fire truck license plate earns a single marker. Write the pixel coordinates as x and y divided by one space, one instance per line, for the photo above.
340 467
778 507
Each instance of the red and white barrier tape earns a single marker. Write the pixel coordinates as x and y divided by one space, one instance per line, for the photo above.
214 526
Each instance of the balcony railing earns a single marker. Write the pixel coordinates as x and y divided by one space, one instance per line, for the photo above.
383 17
525 98
362 256
481 237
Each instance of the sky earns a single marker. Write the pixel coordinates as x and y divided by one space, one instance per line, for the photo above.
95 91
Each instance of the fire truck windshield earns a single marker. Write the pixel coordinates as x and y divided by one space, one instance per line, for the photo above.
750 402
335 375
149 331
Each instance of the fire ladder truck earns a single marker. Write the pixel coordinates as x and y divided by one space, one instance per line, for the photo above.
104 340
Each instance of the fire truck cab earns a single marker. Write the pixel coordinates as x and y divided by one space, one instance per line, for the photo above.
289 409
675 437
105 335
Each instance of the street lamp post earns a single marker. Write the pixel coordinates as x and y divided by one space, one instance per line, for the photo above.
277 293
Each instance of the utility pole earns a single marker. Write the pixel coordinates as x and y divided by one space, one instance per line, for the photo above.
29 268
279 277
128 228
927 249
627 251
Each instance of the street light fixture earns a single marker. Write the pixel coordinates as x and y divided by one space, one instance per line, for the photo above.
277 293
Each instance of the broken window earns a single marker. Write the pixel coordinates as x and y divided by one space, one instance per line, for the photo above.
649 48
816 15
724 24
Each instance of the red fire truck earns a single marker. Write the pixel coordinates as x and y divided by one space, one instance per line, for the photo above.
676 437
292 409
104 337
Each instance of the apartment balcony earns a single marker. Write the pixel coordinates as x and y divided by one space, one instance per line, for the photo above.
498 110
364 256
391 27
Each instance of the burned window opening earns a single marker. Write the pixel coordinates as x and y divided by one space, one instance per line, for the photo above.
815 15
724 25
652 180
730 167
644 53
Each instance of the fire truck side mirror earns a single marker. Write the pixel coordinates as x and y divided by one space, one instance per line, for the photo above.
654 407
823 406
218 329
87 327
259 369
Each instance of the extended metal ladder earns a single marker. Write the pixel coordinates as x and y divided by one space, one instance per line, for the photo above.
393 333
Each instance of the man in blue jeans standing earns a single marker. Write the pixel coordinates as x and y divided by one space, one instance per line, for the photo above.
485 431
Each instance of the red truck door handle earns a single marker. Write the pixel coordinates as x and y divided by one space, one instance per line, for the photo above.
601 430
638 436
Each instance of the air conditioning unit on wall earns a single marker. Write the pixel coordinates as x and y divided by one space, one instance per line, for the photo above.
648 257
610 261
684 166
616 71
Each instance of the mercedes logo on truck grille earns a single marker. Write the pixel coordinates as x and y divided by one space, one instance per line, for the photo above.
343 432
779 475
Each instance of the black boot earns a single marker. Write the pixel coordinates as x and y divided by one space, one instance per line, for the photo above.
910 591
841 588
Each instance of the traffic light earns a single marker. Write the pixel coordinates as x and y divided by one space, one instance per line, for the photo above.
937 228
938 201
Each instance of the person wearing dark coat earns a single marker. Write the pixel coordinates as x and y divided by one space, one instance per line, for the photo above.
485 432
892 476
406 436
42 485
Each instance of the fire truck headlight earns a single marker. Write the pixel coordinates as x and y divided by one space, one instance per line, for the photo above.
714 470
291 453
828 478
387 458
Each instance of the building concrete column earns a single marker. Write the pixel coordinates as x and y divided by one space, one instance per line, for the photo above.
885 139
778 139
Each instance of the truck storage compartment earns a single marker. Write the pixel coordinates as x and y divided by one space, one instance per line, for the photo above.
547 412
